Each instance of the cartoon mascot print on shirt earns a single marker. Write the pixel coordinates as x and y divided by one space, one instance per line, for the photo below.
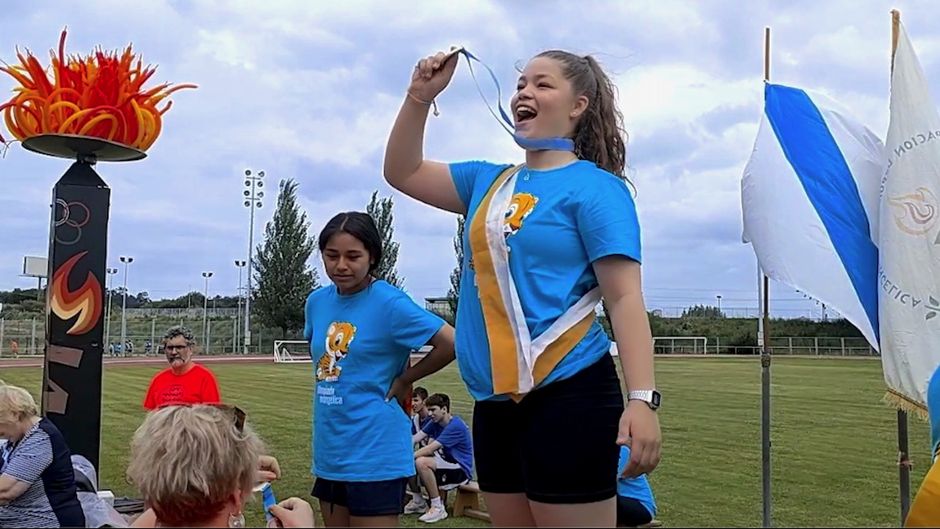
520 207
338 337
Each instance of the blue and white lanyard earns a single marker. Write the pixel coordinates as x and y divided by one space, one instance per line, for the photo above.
529 144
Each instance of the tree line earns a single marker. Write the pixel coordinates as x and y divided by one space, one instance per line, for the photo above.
283 277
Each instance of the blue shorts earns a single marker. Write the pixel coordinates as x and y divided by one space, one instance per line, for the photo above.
363 498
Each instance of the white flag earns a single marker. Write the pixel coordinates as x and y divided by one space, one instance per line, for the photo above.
809 196
909 271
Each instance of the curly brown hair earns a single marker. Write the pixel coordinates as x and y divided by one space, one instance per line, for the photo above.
600 136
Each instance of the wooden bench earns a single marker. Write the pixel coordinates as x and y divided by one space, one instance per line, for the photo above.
467 502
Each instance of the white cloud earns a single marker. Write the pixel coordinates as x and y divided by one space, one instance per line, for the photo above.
309 90
656 95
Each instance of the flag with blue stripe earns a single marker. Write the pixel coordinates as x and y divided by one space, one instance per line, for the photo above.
810 198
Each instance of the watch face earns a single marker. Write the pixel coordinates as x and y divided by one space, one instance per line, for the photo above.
656 399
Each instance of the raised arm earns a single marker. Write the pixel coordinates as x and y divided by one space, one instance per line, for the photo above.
405 167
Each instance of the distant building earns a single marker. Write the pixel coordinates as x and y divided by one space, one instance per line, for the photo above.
439 306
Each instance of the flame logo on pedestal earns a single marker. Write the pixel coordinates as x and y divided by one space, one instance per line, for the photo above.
84 302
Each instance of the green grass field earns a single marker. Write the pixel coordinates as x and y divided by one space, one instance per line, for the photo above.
834 441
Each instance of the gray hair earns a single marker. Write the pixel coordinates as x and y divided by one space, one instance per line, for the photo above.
188 461
179 330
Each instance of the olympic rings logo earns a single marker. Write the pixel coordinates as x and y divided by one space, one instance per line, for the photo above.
74 215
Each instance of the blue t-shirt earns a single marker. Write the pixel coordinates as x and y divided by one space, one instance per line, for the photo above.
933 409
418 424
456 440
637 488
359 343
562 220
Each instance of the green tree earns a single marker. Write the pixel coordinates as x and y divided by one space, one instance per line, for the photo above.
143 299
381 211
702 311
282 273
454 293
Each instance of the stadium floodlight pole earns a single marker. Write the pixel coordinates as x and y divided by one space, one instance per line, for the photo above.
107 309
238 296
127 261
253 195
205 312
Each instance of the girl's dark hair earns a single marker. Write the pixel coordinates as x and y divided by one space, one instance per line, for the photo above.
361 226
600 136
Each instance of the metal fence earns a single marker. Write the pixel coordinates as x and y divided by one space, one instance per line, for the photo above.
191 313
749 312
27 337
783 345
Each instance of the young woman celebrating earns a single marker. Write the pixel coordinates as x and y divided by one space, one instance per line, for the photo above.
544 243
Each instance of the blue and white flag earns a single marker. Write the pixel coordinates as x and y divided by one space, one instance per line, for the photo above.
810 198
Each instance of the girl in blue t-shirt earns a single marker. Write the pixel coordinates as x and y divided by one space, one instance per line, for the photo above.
362 331
543 244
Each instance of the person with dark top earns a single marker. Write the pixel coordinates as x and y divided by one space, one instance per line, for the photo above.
37 483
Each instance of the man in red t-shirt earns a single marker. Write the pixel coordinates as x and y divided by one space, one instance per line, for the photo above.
184 382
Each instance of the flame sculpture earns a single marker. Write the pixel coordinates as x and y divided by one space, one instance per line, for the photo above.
100 95
84 302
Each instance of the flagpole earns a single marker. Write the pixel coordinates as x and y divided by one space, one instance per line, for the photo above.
763 337
904 461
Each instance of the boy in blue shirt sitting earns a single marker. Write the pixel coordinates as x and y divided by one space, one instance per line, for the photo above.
447 459
635 503
420 416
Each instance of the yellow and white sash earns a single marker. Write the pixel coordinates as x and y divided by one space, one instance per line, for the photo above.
519 362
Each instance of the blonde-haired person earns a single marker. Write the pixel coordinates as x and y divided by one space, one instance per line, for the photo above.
37 483
195 466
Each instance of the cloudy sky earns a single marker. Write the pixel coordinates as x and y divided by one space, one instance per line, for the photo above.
309 90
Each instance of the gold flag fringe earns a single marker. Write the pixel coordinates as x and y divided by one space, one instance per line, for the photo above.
902 402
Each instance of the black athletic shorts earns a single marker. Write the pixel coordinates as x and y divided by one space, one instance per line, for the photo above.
631 513
559 444
363 498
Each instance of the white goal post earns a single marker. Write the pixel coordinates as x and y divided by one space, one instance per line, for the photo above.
674 345
680 344
292 352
